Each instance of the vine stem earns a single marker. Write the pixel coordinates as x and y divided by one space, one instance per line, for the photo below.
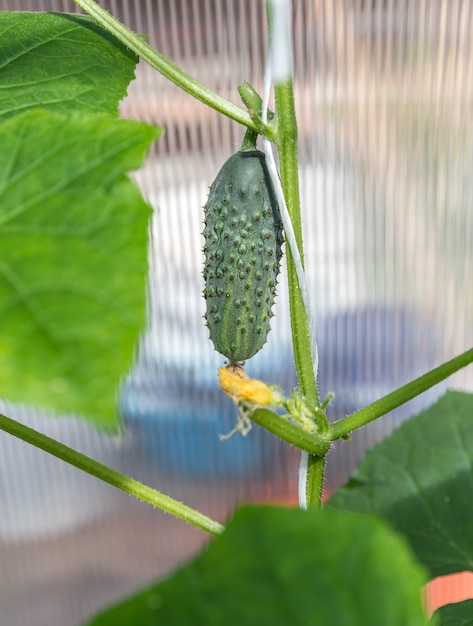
286 142
110 476
312 466
343 427
165 67
312 443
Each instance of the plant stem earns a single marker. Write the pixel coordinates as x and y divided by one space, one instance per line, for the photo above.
160 63
396 398
249 141
315 481
295 435
110 476
286 143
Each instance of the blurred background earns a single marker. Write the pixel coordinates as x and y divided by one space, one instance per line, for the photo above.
384 95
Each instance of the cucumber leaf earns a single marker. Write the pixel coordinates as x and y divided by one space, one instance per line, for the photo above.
420 480
281 566
60 62
459 614
73 263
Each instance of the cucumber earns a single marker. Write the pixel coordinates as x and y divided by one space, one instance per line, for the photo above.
243 238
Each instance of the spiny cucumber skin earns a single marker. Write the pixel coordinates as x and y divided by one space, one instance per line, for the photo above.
243 238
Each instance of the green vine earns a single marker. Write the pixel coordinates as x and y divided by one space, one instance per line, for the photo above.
391 401
165 67
110 476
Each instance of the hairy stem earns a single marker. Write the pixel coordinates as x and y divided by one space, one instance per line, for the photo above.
295 435
110 476
396 398
160 63
286 142
315 481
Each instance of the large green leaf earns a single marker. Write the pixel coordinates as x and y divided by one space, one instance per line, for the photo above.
281 566
73 262
460 614
60 62
420 479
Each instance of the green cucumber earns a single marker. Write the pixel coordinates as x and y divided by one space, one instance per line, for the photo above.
243 237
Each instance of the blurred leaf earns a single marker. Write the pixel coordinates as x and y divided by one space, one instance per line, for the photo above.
60 62
420 479
73 263
460 614
281 566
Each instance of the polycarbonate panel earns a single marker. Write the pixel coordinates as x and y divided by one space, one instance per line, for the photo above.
384 102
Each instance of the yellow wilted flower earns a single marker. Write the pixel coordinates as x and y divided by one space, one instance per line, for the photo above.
236 383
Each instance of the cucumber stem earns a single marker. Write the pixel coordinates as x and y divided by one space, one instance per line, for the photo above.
312 443
314 481
160 63
110 476
343 427
249 141
305 359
